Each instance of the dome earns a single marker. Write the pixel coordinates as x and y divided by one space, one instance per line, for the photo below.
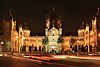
55 19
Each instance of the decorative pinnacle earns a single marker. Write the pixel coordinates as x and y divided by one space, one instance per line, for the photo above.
10 14
82 23
97 12
53 9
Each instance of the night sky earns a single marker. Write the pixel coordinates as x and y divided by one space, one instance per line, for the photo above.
33 12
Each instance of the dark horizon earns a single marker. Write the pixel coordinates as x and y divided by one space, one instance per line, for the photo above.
33 12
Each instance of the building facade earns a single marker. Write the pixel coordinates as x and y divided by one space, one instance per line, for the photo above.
89 36
87 40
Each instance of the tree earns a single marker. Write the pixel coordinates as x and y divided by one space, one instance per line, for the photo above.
60 40
45 41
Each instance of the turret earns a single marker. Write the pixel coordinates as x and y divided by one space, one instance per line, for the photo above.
87 27
60 31
26 30
47 22
46 31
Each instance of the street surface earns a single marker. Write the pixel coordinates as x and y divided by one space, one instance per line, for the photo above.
43 62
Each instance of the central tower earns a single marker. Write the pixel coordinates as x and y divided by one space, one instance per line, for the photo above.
53 32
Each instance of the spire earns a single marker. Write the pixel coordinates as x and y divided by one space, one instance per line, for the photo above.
87 24
82 23
25 25
54 18
47 21
47 16
53 25
97 12
10 14
20 25
53 9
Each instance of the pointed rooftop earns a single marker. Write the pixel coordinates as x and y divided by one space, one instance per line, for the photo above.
97 15
8 15
55 18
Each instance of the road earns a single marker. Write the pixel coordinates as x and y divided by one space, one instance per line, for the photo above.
79 62
14 62
68 62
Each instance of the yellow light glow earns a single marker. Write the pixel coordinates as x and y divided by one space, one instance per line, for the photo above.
16 37
78 41
99 34
53 31
60 56
2 42
53 47
23 37
67 42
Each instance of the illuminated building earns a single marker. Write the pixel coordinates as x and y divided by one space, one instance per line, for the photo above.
9 33
89 36
69 42
29 43
94 33
83 38
53 31
21 41
88 40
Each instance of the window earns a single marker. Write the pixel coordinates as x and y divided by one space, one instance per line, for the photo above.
86 32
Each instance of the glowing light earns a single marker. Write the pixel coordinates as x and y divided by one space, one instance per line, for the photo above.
1 55
67 42
53 47
78 41
23 37
99 34
16 37
2 42
27 56
53 31
60 56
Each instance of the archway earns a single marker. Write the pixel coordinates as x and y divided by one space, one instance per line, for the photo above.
39 48
30 48
35 49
